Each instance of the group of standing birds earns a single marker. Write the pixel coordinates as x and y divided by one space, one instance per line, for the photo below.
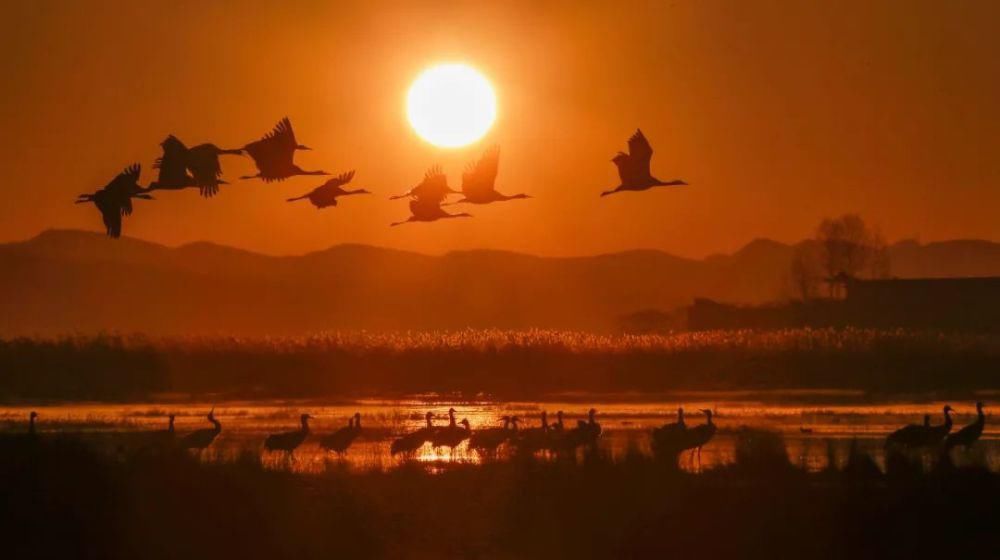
674 438
180 167
486 441
927 436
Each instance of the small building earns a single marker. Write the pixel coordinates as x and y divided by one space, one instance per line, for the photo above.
971 304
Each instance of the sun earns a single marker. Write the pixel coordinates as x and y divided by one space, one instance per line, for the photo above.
451 105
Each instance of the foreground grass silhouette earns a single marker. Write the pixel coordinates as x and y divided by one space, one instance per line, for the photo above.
61 499
505 364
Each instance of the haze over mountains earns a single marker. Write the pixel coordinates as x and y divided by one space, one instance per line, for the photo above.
78 282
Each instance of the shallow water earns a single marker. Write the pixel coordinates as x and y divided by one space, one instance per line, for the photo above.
816 427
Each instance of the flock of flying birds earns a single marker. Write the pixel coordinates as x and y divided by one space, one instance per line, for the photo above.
198 167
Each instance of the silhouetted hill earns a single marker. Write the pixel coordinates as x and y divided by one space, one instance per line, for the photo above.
70 281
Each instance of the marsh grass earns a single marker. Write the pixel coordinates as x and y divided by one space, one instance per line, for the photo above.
495 364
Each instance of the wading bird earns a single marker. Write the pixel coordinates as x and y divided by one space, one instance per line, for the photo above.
200 439
426 206
478 181
633 167
340 440
327 193
587 431
434 186
969 434
31 424
670 436
273 154
452 435
535 439
486 441
289 441
935 434
413 441
696 437
910 436
115 200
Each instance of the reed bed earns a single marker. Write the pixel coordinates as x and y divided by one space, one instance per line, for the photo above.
522 364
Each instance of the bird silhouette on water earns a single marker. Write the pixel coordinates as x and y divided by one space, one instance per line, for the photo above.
425 206
696 437
486 441
201 439
669 436
274 154
340 440
114 200
452 435
633 167
910 436
409 443
479 179
288 442
968 435
326 194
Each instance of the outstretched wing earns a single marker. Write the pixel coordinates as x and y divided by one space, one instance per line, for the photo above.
172 164
203 161
275 148
111 215
125 183
480 177
327 193
640 152
434 188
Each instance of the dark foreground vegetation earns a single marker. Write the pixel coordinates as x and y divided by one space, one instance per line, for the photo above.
504 364
63 500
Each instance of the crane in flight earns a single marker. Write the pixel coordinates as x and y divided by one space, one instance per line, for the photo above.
426 204
633 167
114 200
479 180
274 154
326 194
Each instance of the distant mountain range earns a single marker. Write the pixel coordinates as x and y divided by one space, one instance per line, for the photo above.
71 281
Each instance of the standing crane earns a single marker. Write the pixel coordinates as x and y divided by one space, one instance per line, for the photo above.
326 194
696 437
633 167
586 431
340 440
289 441
910 436
478 181
274 153
969 434
935 435
452 435
200 439
668 437
486 441
408 443
535 439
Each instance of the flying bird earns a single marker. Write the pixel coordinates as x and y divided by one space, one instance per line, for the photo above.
633 167
115 200
181 167
426 206
203 163
433 186
479 179
273 154
326 194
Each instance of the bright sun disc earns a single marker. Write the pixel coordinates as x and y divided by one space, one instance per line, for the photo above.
451 105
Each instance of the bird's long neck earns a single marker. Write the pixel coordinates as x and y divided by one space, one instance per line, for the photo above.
947 418
305 424
31 424
170 427
980 417
451 419
355 191
506 423
429 425
545 421
217 424
590 418
680 416
357 422
708 415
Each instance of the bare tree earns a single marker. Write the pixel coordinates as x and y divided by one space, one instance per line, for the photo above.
844 247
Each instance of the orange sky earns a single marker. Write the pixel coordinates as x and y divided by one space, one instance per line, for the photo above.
777 113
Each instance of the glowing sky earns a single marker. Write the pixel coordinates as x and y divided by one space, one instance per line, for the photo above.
777 113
